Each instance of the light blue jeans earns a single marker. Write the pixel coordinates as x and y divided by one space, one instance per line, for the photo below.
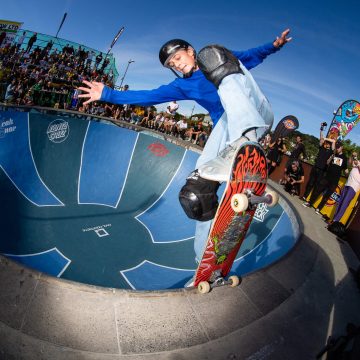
246 107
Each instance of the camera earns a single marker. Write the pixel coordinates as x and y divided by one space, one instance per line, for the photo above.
323 125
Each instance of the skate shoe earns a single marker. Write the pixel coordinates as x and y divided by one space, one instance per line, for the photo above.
218 169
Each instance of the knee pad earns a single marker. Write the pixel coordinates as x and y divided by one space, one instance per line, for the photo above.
217 62
198 197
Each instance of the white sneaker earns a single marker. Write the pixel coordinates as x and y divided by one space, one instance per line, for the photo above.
189 283
219 169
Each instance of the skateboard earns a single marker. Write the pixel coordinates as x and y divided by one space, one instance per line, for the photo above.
345 118
244 190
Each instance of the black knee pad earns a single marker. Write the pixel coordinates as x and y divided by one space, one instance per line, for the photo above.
198 197
217 62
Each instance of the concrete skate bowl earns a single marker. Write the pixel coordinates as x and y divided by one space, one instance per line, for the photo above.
96 203
96 248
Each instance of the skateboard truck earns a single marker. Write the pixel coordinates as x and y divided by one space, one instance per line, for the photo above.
247 200
217 280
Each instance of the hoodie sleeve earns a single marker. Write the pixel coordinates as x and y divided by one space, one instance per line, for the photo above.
160 95
255 56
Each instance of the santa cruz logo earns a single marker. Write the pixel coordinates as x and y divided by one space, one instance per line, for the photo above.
335 196
158 149
58 131
289 124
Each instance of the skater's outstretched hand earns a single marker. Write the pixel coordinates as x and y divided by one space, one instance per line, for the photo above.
283 39
92 92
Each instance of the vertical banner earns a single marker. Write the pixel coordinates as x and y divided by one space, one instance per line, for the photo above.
345 118
8 31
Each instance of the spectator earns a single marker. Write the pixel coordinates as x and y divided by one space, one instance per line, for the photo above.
275 152
194 132
181 128
265 143
10 91
352 186
296 154
105 64
20 40
326 149
2 37
98 60
172 108
294 177
327 184
148 117
204 135
90 56
31 42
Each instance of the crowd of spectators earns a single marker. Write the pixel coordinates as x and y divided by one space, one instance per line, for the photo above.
43 76
48 77
330 163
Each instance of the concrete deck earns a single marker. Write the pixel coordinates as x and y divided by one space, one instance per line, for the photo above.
284 312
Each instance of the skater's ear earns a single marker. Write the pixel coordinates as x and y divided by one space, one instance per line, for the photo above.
191 51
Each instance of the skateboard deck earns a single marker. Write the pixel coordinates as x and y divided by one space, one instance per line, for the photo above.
248 176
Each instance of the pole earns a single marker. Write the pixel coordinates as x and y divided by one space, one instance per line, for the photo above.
61 24
192 111
122 79
115 40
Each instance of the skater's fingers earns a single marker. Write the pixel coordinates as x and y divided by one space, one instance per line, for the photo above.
88 83
285 33
87 102
84 96
84 89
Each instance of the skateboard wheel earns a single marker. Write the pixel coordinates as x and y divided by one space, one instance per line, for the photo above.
234 280
239 202
274 198
204 287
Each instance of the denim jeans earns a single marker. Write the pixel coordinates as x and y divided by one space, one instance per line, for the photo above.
245 107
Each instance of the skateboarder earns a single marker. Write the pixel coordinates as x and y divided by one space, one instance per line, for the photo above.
220 81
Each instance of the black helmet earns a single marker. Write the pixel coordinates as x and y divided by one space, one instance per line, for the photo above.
170 48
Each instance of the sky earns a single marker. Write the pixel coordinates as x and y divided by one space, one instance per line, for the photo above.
309 78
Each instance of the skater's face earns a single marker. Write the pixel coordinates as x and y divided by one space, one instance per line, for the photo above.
183 61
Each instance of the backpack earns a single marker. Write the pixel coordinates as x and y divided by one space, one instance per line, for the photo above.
338 229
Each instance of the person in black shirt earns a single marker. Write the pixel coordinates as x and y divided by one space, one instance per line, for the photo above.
294 177
327 184
326 149
298 149
276 149
31 42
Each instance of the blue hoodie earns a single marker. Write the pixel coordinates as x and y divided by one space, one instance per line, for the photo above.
196 87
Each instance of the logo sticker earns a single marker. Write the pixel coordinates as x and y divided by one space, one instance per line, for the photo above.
289 124
260 212
7 127
99 230
58 131
158 149
335 197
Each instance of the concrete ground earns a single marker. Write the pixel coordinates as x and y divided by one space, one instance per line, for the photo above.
286 311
